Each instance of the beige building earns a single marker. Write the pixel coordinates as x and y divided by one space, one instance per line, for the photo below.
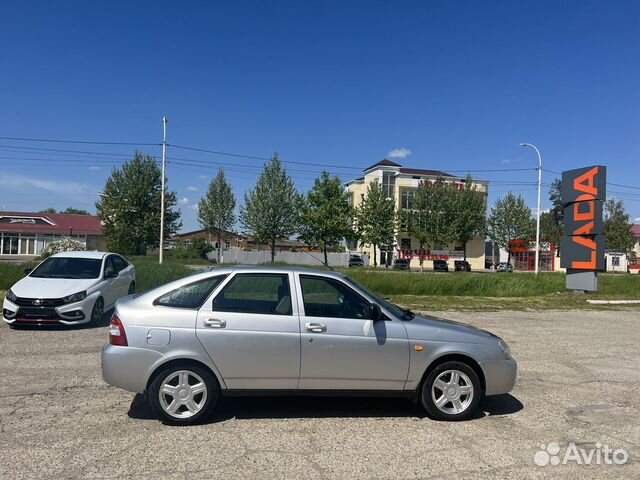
400 183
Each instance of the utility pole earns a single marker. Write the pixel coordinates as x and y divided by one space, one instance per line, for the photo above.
164 168
539 189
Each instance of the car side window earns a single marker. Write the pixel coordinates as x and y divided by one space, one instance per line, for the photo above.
109 265
328 297
119 263
192 295
261 293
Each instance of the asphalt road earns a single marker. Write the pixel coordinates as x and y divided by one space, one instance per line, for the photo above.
578 382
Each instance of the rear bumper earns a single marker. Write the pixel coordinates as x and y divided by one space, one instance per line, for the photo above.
500 376
129 368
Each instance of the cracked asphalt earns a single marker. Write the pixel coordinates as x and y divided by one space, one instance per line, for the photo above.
579 381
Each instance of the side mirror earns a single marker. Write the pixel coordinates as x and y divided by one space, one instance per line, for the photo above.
27 271
111 274
376 312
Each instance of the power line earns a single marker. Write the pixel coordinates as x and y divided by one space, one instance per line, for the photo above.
87 142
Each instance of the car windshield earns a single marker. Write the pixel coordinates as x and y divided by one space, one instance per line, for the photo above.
66 267
394 309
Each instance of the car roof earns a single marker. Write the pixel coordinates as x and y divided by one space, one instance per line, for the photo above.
82 254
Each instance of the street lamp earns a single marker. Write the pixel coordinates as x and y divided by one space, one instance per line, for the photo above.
538 213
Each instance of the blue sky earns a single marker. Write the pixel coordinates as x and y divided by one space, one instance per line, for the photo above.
458 84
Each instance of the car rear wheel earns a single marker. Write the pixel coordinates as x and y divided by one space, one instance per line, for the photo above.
451 391
183 395
97 312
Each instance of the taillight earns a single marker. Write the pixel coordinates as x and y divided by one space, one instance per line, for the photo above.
117 336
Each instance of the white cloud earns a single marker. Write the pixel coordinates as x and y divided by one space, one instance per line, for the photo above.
506 160
399 153
203 177
636 220
57 187
94 167
183 201
192 189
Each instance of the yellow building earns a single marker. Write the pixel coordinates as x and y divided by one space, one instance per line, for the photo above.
400 183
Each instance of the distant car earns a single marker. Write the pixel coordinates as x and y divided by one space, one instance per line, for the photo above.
281 331
69 288
440 266
356 261
504 267
402 264
461 266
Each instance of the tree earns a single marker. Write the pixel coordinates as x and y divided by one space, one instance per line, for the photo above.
130 207
216 209
326 215
616 227
48 210
510 220
74 211
552 223
430 214
270 210
469 216
376 219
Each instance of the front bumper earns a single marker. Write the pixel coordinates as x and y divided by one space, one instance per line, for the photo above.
70 314
500 375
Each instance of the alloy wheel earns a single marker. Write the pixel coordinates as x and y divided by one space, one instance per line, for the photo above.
182 394
452 392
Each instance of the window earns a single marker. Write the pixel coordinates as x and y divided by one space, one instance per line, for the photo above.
405 244
261 293
192 295
327 297
615 261
109 266
68 267
389 183
119 263
407 199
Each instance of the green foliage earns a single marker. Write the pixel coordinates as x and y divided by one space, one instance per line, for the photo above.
616 227
510 220
150 274
376 219
326 215
130 207
469 216
216 208
271 209
550 231
74 211
10 273
198 248
48 210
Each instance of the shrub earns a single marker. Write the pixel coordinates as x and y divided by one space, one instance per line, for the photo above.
65 245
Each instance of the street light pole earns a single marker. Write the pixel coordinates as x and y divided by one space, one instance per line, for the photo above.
164 168
538 213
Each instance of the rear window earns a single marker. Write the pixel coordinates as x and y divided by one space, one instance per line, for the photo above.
192 295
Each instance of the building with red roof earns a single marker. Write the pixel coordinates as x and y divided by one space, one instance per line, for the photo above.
24 235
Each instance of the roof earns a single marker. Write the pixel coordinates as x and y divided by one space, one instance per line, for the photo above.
419 171
635 229
50 223
383 163
202 230
82 254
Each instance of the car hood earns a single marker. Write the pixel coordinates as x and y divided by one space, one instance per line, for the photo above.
30 287
441 330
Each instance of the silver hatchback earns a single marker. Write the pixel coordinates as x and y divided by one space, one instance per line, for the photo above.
248 330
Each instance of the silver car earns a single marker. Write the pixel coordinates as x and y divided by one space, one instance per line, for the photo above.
248 330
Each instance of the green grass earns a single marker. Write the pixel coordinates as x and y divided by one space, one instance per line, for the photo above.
10 273
150 274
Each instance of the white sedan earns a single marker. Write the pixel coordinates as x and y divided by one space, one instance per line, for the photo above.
69 288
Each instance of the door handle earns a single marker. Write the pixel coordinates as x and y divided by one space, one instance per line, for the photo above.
316 327
215 323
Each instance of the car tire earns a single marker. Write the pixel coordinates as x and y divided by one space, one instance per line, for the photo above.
451 405
97 312
132 288
190 409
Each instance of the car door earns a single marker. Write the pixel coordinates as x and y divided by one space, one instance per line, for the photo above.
251 331
125 275
109 286
341 347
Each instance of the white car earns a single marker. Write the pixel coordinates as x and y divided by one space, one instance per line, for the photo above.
69 288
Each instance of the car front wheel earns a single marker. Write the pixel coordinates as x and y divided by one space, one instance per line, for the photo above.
97 312
183 395
451 391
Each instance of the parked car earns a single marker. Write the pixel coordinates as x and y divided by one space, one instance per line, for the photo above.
440 266
356 261
247 330
402 264
461 266
69 288
504 267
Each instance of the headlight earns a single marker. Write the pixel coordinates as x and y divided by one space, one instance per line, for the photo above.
504 347
11 296
76 297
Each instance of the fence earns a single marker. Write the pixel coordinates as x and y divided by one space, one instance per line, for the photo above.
312 259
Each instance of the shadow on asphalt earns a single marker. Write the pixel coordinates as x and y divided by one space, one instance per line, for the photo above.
254 407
